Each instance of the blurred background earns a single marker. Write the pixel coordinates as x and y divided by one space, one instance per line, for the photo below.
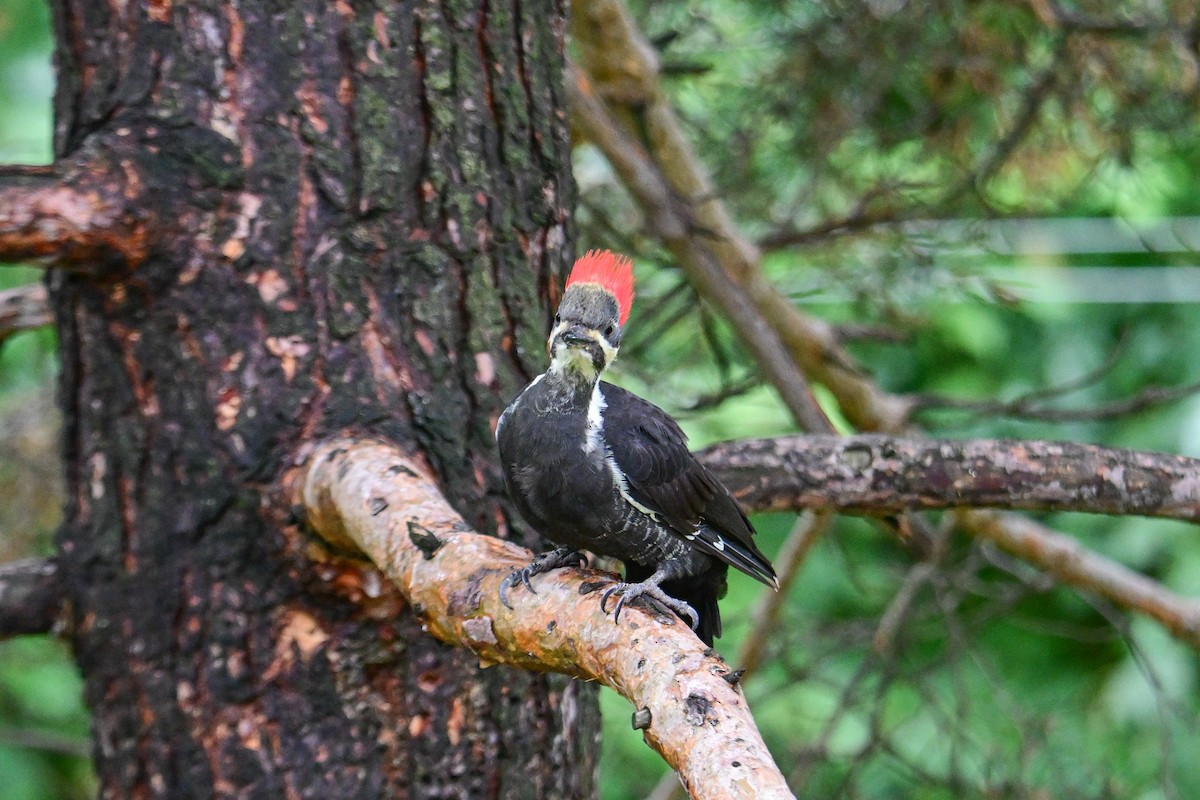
998 204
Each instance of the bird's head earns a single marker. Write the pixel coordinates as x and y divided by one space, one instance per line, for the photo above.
595 305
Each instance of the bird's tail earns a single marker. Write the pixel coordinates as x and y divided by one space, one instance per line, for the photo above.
701 592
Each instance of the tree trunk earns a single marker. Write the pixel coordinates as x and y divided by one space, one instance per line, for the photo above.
347 217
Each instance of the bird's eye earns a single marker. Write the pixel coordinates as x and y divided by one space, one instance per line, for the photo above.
608 329
557 319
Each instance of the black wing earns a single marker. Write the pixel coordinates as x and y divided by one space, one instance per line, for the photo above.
663 476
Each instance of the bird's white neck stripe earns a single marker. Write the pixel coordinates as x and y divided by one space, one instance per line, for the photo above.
594 434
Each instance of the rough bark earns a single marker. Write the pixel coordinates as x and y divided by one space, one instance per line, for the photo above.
874 474
353 216
372 497
92 214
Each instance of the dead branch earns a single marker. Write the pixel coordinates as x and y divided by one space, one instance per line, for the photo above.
1073 564
373 498
672 223
31 596
876 474
1030 407
91 215
674 192
22 309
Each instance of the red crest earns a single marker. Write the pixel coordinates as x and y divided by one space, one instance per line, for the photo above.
613 272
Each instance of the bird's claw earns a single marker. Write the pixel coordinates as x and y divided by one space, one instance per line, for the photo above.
546 562
514 577
632 591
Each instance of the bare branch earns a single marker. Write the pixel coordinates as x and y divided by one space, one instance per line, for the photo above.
672 222
1029 406
1073 564
901 606
675 194
31 596
876 474
22 309
49 741
1053 15
89 217
859 332
1031 105
877 206
373 498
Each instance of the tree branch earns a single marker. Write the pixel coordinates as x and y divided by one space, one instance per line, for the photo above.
92 215
22 309
675 194
877 474
673 224
763 621
373 498
1075 565
31 597
1030 407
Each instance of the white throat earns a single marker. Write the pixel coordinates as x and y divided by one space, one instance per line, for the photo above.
574 362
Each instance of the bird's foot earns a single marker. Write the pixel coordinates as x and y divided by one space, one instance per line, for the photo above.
559 557
651 590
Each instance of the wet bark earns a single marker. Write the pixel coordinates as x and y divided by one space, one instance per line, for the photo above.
352 216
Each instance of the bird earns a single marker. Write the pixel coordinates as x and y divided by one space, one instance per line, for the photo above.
593 467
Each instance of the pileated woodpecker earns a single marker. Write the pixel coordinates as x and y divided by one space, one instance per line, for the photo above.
593 467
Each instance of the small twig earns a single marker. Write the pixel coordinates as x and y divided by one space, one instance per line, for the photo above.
31 596
22 309
859 332
1027 407
1035 97
1073 564
1054 15
860 219
664 313
898 609
647 184
735 388
28 171
1089 378
48 741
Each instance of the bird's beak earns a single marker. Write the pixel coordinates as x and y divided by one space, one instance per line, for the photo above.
578 336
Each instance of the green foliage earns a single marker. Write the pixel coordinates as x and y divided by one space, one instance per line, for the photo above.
998 682
44 741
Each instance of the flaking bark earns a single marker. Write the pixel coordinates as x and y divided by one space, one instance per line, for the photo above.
874 474
374 499
348 217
